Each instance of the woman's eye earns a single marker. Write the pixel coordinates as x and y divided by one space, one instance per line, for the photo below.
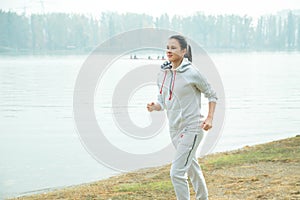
171 48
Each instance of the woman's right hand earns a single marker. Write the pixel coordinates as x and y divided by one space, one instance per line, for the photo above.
151 106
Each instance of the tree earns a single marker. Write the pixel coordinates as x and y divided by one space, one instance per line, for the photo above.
163 21
291 30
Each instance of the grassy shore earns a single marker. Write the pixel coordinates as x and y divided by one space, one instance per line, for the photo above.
267 171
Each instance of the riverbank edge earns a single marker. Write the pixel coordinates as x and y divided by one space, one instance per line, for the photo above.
235 174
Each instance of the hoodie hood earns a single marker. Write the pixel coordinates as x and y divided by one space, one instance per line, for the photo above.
181 68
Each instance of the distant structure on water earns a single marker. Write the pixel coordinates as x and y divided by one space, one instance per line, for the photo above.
149 57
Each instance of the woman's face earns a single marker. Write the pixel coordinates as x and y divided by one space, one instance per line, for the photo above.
174 51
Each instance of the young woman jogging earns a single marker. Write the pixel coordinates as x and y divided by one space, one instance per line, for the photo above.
180 87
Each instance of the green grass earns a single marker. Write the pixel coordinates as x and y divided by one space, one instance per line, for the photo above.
270 152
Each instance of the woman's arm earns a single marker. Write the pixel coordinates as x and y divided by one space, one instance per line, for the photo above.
203 85
159 105
207 124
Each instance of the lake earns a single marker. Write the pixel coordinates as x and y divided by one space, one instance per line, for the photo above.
40 148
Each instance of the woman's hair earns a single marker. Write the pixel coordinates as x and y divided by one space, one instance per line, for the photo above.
184 45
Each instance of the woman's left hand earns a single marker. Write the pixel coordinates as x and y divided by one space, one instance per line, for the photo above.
207 124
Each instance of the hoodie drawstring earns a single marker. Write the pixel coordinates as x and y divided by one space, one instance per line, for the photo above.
171 84
167 66
162 85
172 88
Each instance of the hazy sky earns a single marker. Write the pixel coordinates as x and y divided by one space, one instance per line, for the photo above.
153 7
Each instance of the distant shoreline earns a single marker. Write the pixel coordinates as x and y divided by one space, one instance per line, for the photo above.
84 53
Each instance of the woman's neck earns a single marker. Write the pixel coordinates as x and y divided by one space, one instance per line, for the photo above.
176 64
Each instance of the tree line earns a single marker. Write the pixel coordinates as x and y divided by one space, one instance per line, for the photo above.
75 32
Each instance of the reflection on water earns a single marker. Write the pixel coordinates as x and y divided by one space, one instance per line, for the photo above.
39 145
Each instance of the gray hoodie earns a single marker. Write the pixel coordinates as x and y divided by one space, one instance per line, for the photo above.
180 94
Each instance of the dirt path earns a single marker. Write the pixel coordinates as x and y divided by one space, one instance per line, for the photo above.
264 180
268 171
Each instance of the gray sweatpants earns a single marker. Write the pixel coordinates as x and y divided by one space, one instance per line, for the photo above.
185 164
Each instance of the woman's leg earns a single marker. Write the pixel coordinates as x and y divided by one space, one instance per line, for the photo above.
198 180
185 152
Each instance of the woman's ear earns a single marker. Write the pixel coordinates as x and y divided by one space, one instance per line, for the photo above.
184 51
